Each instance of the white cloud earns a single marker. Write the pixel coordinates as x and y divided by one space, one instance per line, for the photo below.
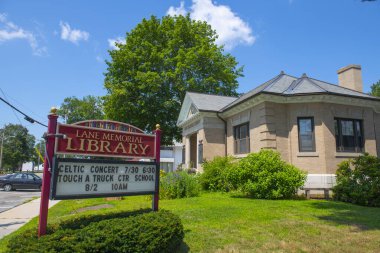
177 11
72 35
231 29
112 42
10 31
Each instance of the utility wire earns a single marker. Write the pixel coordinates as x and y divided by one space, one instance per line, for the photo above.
26 117
12 108
21 106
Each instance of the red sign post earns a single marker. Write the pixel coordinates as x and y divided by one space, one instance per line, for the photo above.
86 138
50 142
158 144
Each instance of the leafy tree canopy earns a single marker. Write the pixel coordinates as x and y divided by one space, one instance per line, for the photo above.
375 89
148 76
18 146
74 109
40 146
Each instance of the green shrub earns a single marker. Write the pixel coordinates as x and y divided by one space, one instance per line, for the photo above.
358 181
175 185
264 175
214 173
151 232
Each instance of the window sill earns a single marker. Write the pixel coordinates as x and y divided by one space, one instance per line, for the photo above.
240 155
347 154
307 154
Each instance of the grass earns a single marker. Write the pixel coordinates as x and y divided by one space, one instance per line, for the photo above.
216 222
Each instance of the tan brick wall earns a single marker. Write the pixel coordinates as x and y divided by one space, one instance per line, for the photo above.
213 143
312 162
333 158
275 126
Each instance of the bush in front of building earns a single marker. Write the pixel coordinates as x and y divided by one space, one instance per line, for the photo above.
214 176
264 175
150 232
358 181
179 184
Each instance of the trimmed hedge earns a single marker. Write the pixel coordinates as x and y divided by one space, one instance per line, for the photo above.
150 232
358 181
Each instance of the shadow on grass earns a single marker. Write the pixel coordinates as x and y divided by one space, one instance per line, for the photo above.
360 217
183 248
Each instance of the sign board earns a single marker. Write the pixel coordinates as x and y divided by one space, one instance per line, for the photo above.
85 178
81 140
109 124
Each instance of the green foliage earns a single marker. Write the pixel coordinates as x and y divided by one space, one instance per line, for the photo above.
18 146
74 109
375 89
214 176
175 185
151 232
148 76
358 181
40 146
264 175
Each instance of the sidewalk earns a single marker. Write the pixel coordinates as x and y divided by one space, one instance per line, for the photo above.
13 219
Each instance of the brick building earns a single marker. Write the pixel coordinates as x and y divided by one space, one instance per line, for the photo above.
313 124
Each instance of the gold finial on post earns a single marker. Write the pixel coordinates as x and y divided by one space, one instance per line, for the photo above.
157 126
53 110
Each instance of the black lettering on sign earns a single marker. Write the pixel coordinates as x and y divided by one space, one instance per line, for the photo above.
91 187
123 178
149 169
139 178
118 187
132 169
102 178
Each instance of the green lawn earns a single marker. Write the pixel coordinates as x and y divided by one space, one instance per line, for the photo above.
218 222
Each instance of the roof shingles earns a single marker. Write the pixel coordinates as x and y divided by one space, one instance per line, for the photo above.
282 84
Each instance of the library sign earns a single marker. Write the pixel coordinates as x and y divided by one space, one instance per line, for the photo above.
105 176
91 178
84 178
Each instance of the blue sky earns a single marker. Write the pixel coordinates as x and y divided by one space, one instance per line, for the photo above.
50 50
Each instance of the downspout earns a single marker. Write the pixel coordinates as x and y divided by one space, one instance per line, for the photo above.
225 133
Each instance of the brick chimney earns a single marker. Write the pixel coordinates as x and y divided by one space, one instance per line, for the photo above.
351 77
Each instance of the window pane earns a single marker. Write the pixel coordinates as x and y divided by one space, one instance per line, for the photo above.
347 127
306 134
359 136
337 138
241 134
348 137
305 126
306 143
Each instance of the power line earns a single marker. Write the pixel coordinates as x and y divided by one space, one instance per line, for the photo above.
12 108
26 117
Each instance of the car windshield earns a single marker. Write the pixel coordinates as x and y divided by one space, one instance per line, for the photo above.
37 177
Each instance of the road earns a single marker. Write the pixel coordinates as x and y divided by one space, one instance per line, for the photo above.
11 199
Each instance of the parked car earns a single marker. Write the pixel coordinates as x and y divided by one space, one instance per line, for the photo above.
20 181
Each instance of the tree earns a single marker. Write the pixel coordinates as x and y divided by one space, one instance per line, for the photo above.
148 76
74 109
40 146
18 146
375 89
